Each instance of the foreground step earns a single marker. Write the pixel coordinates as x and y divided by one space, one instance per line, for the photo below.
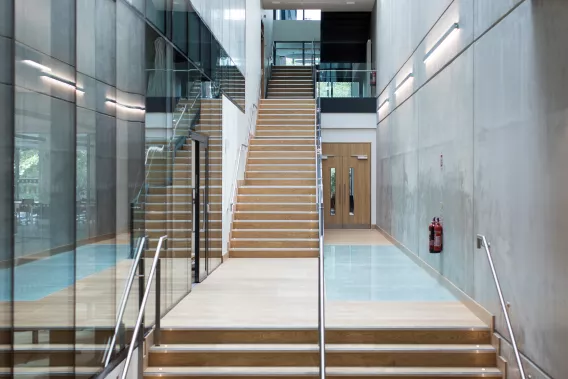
305 355
313 372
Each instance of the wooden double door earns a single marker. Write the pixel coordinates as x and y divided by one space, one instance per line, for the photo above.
347 185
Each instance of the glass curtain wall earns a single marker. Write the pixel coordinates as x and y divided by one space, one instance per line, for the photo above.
96 101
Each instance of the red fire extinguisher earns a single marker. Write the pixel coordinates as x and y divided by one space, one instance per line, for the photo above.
373 78
431 235
438 236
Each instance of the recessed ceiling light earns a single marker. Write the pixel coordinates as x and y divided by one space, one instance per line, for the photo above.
350 3
276 2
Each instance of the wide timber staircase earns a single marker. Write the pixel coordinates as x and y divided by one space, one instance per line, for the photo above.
276 214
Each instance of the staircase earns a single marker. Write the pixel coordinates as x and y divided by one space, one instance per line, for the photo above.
389 353
275 215
291 82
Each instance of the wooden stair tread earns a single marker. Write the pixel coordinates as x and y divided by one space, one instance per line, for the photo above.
334 371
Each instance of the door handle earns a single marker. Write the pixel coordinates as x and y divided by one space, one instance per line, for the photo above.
360 157
344 191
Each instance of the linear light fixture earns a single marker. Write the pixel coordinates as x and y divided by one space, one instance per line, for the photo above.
62 83
404 81
455 26
383 104
126 107
34 64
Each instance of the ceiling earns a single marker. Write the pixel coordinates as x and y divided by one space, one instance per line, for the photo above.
324 5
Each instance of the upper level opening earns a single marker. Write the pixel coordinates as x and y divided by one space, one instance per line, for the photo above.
298 14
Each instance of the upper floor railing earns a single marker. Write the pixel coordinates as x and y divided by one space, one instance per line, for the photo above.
346 83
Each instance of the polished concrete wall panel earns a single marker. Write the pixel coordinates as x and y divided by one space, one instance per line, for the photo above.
6 18
130 51
47 26
401 26
521 185
481 139
445 131
105 41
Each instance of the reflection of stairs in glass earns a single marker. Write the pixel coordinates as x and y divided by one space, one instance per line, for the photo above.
53 352
276 214
354 353
169 208
211 124
291 82
232 83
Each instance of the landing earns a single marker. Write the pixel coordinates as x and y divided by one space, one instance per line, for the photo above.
371 285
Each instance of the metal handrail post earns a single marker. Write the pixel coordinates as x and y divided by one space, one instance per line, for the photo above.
124 299
142 307
482 242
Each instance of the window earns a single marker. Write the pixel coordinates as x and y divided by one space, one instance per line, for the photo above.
297 14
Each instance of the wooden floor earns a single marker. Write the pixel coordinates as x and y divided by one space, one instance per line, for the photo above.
240 293
354 237
283 293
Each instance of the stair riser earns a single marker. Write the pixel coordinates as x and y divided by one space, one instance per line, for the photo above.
274 225
292 168
286 134
282 174
287 121
280 182
274 234
291 90
310 358
260 142
277 191
276 207
284 148
277 107
275 216
284 244
277 199
285 128
274 254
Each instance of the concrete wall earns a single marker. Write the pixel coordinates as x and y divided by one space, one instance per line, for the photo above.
493 105
296 30
351 128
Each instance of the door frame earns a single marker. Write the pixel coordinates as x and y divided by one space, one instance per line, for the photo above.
199 141
344 153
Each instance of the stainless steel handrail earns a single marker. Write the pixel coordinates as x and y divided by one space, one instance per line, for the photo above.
319 208
179 119
244 147
124 299
344 70
140 317
482 242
